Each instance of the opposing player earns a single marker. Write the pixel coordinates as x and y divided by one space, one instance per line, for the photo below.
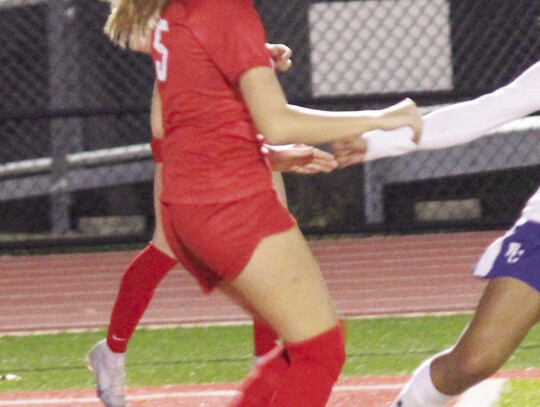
510 305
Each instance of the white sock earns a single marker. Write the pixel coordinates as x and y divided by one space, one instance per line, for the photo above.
420 391
463 122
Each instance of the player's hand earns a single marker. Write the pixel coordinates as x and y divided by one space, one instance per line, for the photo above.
298 158
405 113
281 55
349 151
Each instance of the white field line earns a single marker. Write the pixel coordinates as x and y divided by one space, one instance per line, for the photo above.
174 395
483 394
166 325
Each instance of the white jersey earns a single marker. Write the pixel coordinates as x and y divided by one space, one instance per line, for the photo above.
531 211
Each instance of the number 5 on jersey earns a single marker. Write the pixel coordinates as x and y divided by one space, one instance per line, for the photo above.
161 65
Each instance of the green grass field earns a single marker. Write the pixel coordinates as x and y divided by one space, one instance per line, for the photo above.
384 346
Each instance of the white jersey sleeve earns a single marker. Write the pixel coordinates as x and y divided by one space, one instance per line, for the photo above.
462 122
531 211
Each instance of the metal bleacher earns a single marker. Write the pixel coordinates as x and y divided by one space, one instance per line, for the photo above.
134 164
512 146
86 170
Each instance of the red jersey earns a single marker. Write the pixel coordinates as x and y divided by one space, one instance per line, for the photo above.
200 49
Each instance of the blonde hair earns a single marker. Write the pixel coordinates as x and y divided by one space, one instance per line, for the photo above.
132 19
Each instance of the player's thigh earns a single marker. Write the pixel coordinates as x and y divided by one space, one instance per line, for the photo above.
159 239
507 311
235 296
283 284
279 187
160 242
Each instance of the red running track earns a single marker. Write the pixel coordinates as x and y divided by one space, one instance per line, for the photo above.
366 276
348 392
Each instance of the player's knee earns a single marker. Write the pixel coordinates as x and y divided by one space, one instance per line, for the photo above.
314 367
335 357
475 368
324 354
480 368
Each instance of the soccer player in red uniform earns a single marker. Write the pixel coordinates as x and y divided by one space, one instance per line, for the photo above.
220 213
151 265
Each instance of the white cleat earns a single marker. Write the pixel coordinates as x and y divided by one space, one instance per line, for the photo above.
108 368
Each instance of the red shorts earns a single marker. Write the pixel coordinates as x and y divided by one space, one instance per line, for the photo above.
214 242
157 149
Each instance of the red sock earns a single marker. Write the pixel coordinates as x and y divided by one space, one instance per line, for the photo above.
301 375
136 290
264 338
315 365
263 379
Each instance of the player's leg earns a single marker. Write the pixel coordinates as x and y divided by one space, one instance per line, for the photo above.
266 265
136 291
265 338
140 280
138 284
283 284
159 239
508 309
107 357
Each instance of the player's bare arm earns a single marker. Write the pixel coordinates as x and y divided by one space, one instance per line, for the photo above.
282 123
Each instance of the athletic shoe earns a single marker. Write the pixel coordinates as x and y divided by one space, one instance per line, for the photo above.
108 367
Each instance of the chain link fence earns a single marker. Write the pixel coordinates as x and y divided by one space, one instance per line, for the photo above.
75 164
